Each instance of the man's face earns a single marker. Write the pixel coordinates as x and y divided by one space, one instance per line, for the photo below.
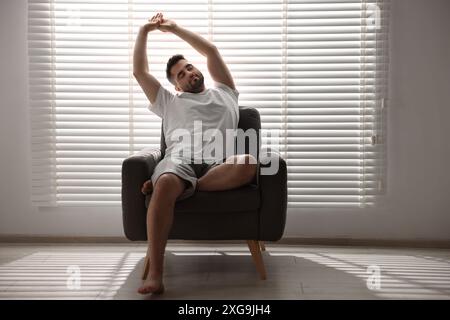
186 77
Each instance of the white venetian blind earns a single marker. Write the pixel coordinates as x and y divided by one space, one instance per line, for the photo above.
335 83
313 69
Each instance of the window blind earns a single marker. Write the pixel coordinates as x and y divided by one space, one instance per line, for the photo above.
315 70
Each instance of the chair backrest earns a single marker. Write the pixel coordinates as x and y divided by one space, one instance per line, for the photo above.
249 118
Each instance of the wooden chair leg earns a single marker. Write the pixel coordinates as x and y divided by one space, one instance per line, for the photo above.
146 267
255 250
261 244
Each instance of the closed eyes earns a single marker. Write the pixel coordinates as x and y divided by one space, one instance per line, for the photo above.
182 73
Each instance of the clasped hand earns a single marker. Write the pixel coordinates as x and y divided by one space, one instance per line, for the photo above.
159 22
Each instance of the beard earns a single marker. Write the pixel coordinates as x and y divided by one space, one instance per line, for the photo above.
196 86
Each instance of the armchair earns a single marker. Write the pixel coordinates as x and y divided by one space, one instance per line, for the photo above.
255 212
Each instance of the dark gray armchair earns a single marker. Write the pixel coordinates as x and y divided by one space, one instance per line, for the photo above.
255 213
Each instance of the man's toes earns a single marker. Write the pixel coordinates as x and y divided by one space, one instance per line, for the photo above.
143 290
151 287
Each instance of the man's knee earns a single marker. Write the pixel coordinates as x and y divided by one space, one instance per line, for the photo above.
242 159
169 184
246 167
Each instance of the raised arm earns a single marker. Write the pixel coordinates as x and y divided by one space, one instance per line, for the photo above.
149 84
216 65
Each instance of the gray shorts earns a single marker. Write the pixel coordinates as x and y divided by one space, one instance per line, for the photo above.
188 171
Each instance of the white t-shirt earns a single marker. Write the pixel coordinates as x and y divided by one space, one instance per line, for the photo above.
193 121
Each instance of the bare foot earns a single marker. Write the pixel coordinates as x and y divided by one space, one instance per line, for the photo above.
147 187
152 286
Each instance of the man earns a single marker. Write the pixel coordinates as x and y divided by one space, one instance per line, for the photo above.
217 108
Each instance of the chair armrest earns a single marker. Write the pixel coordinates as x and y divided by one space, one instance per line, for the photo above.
136 169
273 189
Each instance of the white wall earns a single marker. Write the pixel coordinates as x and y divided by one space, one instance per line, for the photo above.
417 201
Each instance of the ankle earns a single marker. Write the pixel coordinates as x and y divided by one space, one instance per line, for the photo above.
155 275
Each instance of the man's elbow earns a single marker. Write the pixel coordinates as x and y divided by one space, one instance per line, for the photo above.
212 49
138 73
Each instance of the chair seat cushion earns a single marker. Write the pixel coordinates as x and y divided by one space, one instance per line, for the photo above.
245 198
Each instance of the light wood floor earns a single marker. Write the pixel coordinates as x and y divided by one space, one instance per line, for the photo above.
218 271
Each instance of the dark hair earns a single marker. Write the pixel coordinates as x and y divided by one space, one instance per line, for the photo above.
172 61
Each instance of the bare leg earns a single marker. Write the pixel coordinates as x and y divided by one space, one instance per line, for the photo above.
159 221
237 171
